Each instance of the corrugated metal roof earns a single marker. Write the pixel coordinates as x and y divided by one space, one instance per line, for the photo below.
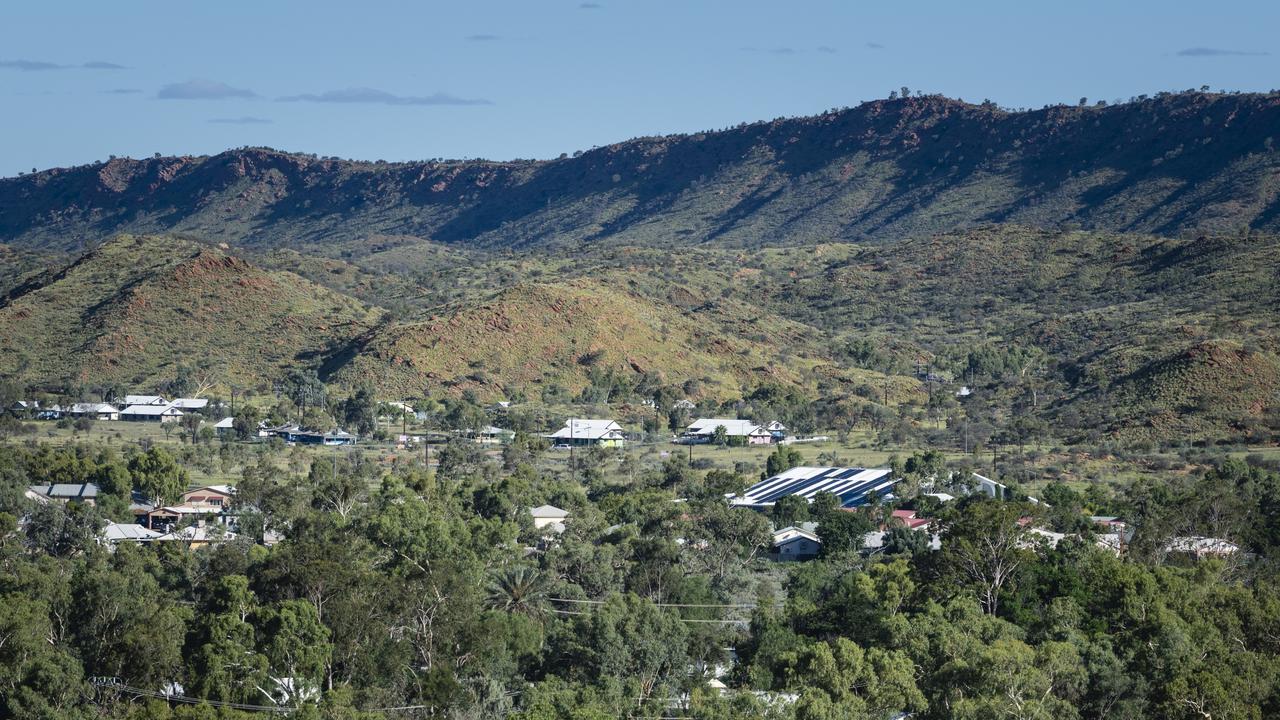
851 485
732 426
588 429
150 410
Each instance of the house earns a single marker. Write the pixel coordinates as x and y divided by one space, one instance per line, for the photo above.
116 533
683 404
309 437
549 516
399 408
225 426
86 493
908 519
24 408
217 497
777 430
703 430
97 411
168 517
796 542
190 403
280 431
852 486
491 435
144 400
151 413
993 489
581 431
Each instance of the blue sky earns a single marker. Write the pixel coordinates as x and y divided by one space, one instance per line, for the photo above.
535 78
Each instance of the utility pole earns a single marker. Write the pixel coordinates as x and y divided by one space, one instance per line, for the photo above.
573 464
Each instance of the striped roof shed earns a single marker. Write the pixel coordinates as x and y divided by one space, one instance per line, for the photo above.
852 485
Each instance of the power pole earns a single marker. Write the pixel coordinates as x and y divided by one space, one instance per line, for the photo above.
573 464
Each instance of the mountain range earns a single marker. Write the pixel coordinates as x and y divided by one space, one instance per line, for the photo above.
1108 271
884 170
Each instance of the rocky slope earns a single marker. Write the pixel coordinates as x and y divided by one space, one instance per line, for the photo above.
883 170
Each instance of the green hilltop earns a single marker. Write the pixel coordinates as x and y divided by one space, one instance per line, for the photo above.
137 308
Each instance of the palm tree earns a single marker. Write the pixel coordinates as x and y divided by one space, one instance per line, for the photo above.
521 590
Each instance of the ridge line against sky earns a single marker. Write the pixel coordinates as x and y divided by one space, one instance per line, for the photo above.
508 79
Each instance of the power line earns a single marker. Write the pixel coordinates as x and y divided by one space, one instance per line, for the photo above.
687 620
679 605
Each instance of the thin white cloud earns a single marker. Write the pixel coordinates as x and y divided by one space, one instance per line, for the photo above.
243 120
42 65
1216 52
200 89
373 96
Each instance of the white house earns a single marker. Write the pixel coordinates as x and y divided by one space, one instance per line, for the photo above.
144 400
151 413
549 518
116 533
796 543
581 431
491 435
402 408
98 411
703 430
190 403
225 426
993 489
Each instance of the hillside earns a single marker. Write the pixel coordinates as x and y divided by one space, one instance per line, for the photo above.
136 308
554 340
883 170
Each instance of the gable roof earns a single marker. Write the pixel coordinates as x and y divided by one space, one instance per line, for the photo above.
66 491
151 410
128 532
87 408
227 490
549 511
190 403
852 485
787 534
225 423
144 400
588 429
734 427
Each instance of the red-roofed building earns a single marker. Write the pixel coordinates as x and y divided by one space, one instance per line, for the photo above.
908 519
